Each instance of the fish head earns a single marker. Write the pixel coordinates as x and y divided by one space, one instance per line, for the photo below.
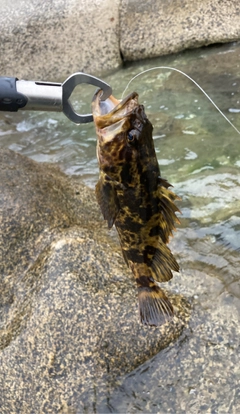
124 136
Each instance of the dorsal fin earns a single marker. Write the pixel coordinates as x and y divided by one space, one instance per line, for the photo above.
167 210
163 262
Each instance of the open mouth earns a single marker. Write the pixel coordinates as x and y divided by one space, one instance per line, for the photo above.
111 111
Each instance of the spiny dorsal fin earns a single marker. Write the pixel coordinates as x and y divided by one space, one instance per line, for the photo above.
167 209
107 199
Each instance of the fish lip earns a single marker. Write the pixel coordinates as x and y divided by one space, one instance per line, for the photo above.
112 110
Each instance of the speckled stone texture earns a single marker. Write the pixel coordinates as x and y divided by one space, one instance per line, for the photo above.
68 307
47 40
153 28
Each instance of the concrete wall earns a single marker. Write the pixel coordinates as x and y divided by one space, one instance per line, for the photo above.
48 40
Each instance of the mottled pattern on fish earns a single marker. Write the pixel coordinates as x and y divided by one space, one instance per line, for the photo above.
133 196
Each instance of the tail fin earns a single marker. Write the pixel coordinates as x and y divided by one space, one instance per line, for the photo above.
154 306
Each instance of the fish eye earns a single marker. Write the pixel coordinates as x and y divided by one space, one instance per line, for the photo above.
131 136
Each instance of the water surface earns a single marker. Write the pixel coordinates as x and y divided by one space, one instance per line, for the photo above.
198 152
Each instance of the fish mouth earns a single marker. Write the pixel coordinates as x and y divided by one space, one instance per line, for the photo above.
112 111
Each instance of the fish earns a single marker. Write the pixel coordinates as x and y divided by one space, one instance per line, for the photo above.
134 197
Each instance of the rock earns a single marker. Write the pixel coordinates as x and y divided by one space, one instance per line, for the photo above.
50 40
68 318
155 28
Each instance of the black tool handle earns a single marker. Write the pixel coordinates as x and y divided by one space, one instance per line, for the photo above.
10 99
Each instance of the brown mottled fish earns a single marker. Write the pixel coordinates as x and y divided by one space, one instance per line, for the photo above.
133 196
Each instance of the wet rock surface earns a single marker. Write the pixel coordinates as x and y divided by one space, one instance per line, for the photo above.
68 317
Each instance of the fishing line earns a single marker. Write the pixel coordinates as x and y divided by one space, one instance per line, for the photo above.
191 79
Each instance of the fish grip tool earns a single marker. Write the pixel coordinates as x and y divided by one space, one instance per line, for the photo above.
18 94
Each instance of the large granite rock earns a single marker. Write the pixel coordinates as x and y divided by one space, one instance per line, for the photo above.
153 28
68 314
44 40
50 40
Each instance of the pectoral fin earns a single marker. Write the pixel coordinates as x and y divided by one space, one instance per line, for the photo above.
107 199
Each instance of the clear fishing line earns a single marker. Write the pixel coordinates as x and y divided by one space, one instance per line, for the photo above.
191 79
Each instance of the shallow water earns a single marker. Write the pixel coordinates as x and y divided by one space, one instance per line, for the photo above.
198 152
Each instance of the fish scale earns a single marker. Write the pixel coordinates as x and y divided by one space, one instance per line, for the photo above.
133 196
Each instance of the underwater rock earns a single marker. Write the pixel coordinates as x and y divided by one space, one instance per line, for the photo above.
68 316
